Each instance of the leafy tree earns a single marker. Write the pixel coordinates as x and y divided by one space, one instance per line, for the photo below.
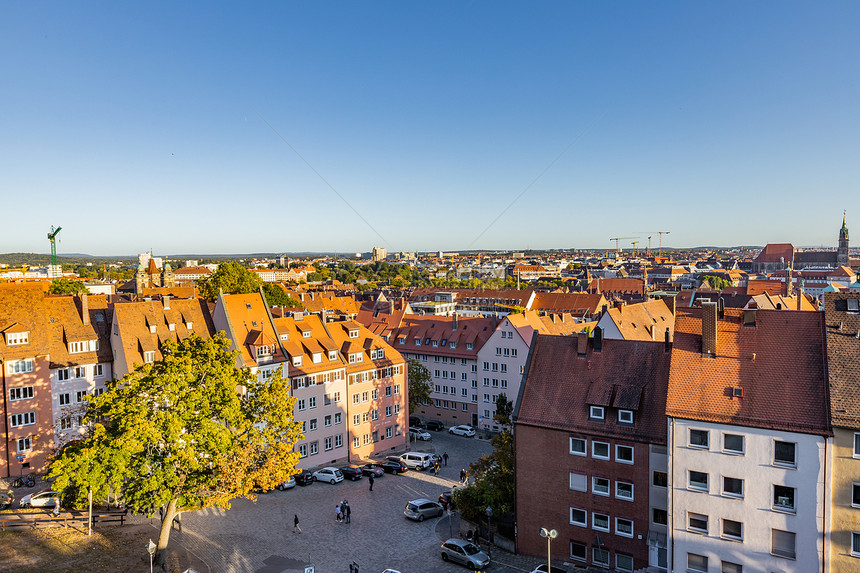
494 482
177 434
419 385
275 296
67 286
717 283
504 409
232 278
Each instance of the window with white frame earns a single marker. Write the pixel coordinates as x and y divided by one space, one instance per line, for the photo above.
698 480
596 412
20 366
623 562
17 338
338 441
63 374
24 419
697 522
600 521
315 448
20 393
784 498
301 405
356 442
98 370
327 421
600 486
623 527
783 543
624 454
729 567
699 439
625 416
578 481
733 443
79 396
149 356
855 543
624 490
578 446
303 450
578 517
338 418
65 399
328 443
24 445
599 450
578 551
733 487
697 563
733 530
312 402
600 556
785 453
313 424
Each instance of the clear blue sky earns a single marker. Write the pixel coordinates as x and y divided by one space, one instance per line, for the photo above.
143 125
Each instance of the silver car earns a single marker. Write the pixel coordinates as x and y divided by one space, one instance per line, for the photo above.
465 553
418 509
420 434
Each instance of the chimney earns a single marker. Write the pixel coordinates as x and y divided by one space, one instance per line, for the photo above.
597 340
709 329
670 302
454 322
85 310
667 340
581 343
799 300
721 308
749 316
165 300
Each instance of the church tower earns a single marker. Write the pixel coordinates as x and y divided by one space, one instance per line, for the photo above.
842 250
168 279
141 280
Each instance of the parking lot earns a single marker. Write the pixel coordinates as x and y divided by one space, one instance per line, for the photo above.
258 537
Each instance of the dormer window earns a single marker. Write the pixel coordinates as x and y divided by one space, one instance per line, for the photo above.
401 340
149 356
263 351
152 329
171 327
453 345
17 338
332 354
189 325
417 342
469 346
444 342
83 346
625 416
435 343
297 361
353 333
380 353
285 337
306 334
355 358
317 357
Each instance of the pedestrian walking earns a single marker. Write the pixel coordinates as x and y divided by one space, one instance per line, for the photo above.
348 511
463 476
370 481
436 469
177 521
337 513
445 457
161 513
296 528
56 511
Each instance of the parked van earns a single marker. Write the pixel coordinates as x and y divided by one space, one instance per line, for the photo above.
417 460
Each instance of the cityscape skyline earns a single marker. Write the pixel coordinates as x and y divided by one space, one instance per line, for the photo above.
500 126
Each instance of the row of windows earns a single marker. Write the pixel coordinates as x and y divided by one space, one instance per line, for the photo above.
313 448
784 453
599 413
314 379
452 405
21 393
600 556
698 563
464 392
327 422
444 374
16 338
435 343
66 398
496 367
80 372
83 346
601 450
496 383
784 497
782 544
601 522
25 419
506 352
19 366
601 486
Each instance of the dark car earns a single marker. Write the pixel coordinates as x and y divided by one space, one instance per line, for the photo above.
415 421
372 470
435 425
7 498
305 478
351 472
446 500
394 466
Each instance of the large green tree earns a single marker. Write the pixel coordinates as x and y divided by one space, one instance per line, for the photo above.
180 434
232 278
419 385
67 286
275 296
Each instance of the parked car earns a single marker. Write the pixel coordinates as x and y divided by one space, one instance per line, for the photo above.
415 421
542 568
44 498
435 425
7 498
419 509
305 478
393 465
468 431
329 475
445 499
417 460
465 553
372 470
420 434
352 473
289 484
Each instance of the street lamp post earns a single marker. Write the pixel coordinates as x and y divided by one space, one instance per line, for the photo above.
150 547
550 534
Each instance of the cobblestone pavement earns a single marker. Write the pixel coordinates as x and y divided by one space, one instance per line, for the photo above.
257 537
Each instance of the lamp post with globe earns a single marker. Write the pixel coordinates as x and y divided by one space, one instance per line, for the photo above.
550 534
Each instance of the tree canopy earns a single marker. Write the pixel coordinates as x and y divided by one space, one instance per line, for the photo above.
275 296
67 286
232 278
178 434
419 385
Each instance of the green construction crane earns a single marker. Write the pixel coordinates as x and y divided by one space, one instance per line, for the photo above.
51 237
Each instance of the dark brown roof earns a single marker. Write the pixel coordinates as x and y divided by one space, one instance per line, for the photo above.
560 385
843 358
773 252
779 364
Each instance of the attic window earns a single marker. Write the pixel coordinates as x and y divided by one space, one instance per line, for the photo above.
317 357
853 305
435 343
297 361
15 338
248 305
453 345
332 354
253 323
353 333
189 325
469 346
285 337
152 329
427 340
171 327
306 334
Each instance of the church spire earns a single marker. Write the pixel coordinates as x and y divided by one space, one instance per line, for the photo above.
843 232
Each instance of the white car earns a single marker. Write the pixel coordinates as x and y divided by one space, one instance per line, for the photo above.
468 431
420 434
330 475
289 484
43 498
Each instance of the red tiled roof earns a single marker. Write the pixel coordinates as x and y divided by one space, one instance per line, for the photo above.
773 252
560 385
779 364
843 351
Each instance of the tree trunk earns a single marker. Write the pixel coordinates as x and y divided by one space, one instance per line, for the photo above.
164 534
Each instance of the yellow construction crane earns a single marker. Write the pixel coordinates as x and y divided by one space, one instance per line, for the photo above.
635 250
661 233
617 244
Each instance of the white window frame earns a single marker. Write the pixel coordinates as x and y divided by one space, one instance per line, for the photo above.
729 535
622 447
690 443
575 452
781 509
729 493
707 486
625 416
596 413
781 463
594 444
621 496
623 533
596 527
24 445
727 450
699 517
584 522
598 490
